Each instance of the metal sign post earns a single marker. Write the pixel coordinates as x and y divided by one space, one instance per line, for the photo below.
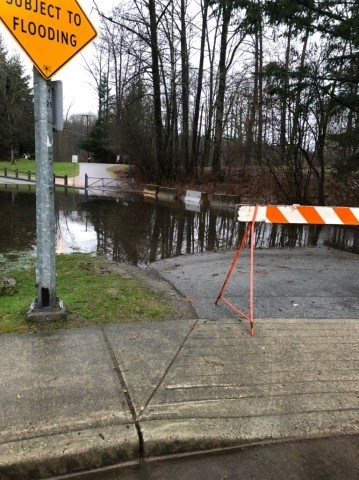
51 33
45 198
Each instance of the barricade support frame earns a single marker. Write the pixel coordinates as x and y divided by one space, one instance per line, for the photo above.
249 232
299 214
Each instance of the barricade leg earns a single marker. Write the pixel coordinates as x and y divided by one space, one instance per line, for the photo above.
250 231
234 262
251 280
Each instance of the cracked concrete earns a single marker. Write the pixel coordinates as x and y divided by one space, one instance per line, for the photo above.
87 398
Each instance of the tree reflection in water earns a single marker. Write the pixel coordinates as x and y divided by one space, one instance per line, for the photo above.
17 221
143 232
138 232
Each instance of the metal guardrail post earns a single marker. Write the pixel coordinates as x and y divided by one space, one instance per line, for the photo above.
86 187
29 175
16 173
5 172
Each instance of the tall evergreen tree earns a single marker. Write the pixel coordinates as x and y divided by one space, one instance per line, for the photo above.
98 142
16 109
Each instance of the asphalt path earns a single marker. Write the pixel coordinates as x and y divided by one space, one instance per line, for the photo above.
288 283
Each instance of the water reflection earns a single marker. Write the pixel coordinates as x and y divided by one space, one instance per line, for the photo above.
128 229
17 221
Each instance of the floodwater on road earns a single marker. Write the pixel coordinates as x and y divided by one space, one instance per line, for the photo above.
130 229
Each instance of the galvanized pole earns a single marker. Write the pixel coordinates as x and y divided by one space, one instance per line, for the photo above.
45 198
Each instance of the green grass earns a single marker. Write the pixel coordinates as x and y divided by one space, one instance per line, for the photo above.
92 293
60 168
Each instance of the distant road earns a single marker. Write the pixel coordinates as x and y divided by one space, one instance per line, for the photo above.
96 170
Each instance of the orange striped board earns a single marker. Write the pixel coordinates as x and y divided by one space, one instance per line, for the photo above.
299 214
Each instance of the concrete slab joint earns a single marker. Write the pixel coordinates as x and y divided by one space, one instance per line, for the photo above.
94 397
62 407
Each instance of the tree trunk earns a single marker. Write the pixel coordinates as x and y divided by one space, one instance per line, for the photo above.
195 132
185 92
260 92
283 113
156 82
227 9
210 97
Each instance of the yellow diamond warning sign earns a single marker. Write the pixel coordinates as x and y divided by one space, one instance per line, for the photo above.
51 32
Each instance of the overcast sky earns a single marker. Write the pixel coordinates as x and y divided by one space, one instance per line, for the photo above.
79 95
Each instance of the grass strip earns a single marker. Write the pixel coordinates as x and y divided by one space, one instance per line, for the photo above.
93 291
25 165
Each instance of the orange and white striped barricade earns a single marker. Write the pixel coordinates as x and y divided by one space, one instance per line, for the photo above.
298 214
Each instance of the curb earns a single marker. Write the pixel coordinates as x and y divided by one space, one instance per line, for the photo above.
75 453
164 438
71 452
